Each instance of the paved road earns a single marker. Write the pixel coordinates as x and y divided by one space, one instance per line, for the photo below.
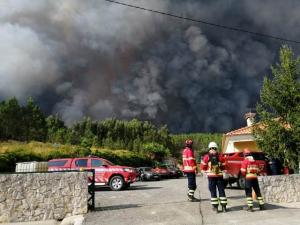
165 203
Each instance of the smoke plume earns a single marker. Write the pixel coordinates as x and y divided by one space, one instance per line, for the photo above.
98 59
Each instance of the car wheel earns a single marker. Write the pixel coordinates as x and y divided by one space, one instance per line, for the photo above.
241 182
116 183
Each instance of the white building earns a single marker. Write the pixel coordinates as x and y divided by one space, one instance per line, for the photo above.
238 140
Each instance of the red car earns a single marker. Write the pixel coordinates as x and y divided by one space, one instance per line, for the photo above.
106 173
162 171
233 166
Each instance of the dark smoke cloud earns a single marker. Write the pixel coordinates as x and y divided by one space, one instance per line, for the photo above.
93 58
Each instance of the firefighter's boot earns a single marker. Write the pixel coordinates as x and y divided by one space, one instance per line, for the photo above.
190 198
249 209
261 203
224 209
190 195
223 201
250 204
214 203
262 207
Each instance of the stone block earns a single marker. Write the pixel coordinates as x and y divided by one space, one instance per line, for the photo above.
280 188
26 197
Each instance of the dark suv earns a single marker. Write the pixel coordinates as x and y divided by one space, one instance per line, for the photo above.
147 173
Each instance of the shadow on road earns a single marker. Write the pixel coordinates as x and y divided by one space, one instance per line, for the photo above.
142 187
117 207
228 197
272 206
256 207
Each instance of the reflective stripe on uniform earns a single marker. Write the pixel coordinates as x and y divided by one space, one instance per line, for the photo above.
191 192
188 158
188 167
251 175
214 174
214 201
260 201
223 200
249 201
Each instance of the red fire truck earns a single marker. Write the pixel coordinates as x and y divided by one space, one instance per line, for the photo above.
233 166
106 173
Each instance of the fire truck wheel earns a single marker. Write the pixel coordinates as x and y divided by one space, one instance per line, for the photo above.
241 182
116 183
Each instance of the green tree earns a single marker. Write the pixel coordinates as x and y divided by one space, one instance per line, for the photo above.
56 129
34 122
278 132
155 151
11 123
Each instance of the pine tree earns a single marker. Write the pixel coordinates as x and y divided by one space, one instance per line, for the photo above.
278 133
11 120
34 122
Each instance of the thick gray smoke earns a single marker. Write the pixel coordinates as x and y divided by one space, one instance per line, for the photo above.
93 58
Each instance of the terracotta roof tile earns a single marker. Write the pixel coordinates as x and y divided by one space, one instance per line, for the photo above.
240 131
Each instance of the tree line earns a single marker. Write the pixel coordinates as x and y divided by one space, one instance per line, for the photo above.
27 123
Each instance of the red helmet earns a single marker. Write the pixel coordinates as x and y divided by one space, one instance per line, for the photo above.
188 142
247 151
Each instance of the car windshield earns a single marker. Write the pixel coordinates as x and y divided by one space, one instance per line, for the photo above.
106 162
148 169
258 156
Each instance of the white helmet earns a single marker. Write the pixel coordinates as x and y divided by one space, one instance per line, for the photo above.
212 145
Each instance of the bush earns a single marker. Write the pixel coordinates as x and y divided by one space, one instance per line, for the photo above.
123 157
13 152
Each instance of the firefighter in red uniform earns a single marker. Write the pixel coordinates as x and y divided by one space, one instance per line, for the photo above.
250 170
189 168
213 164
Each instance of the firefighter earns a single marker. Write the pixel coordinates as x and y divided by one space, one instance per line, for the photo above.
189 168
213 164
250 170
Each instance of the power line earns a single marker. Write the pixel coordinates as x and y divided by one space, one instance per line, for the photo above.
206 22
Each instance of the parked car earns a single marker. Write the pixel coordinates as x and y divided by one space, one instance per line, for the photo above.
175 172
147 173
233 166
163 171
106 173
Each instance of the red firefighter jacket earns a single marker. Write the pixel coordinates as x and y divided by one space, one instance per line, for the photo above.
214 168
249 168
188 160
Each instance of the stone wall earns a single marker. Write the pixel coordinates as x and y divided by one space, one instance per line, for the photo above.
280 188
42 196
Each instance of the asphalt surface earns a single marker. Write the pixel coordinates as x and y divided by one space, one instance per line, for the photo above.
165 202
